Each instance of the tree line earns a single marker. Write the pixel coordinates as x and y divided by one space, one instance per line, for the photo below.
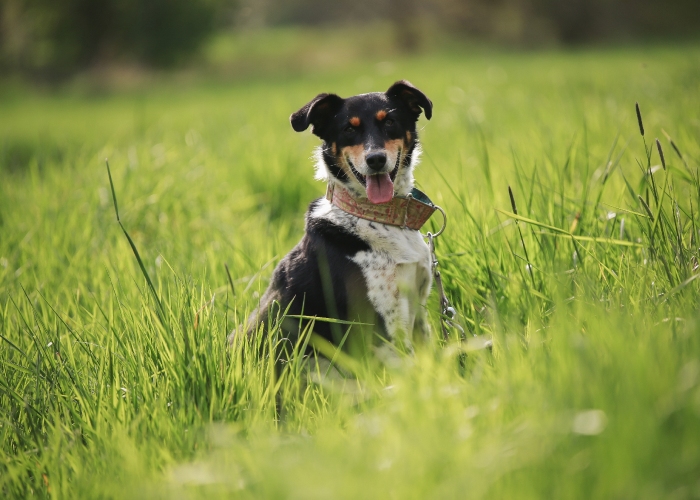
58 37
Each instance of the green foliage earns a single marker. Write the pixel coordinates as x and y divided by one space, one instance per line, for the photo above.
591 390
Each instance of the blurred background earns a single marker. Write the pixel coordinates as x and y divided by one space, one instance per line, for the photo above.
50 41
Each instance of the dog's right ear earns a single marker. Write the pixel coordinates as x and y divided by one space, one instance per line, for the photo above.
317 113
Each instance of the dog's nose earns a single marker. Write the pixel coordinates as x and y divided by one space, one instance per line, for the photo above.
376 161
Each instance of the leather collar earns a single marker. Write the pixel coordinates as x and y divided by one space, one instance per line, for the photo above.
411 211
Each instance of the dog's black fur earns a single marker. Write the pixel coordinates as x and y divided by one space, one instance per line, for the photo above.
319 276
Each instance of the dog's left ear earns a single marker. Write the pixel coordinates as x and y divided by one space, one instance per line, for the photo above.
414 98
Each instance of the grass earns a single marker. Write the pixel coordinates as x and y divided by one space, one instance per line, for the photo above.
109 389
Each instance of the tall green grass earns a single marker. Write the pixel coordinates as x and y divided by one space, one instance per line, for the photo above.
571 242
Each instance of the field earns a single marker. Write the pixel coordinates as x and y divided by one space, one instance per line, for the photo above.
112 389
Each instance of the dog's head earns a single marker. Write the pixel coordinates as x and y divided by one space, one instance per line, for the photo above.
369 140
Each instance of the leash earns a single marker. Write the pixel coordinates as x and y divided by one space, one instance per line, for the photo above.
448 314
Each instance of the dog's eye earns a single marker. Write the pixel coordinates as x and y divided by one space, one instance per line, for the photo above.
349 130
388 122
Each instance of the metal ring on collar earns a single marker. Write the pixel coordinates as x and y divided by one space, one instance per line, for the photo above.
444 223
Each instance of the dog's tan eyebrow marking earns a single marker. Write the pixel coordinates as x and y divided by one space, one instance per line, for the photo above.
381 115
355 121
353 151
393 145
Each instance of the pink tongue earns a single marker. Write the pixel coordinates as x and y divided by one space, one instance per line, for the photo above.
380 189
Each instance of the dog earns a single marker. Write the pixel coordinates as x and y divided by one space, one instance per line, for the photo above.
362 258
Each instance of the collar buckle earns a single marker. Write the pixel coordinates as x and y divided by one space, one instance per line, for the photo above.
329 191
405 212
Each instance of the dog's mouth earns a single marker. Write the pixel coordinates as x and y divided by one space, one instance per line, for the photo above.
379 187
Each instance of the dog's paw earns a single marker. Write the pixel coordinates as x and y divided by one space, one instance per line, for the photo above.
391 357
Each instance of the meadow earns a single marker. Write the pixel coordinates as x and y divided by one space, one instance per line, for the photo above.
113 388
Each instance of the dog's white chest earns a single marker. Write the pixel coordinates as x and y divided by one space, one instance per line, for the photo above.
398 278
396 269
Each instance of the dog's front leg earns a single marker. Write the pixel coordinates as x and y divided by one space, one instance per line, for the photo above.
421 330
267 308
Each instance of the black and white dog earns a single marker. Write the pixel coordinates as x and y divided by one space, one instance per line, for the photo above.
362 258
